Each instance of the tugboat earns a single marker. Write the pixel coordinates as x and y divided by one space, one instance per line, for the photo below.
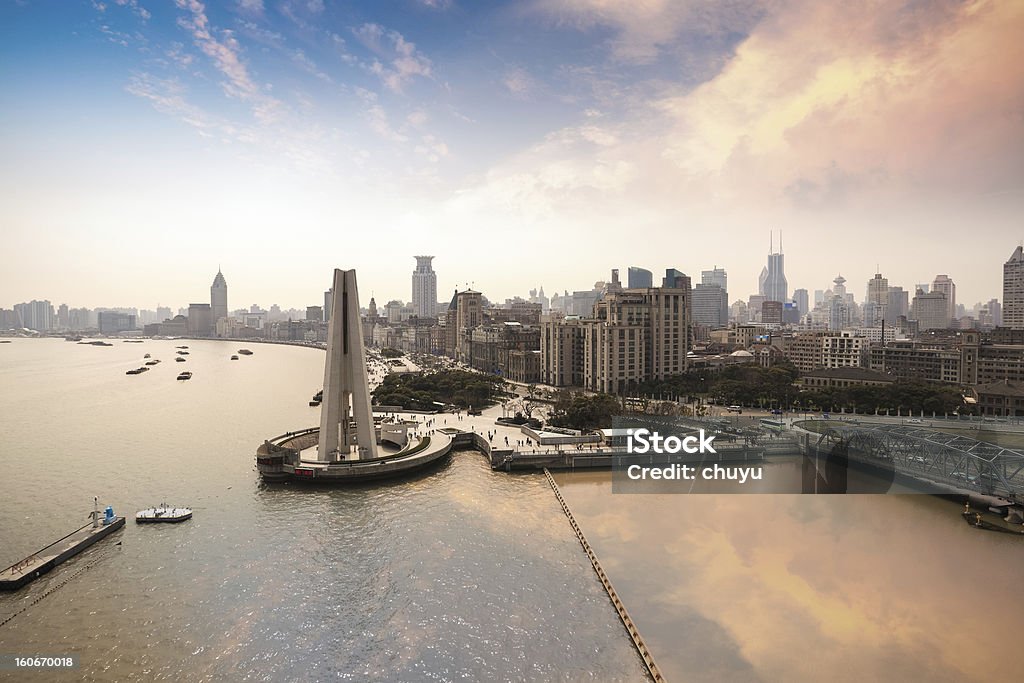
163 513
185 375
245 352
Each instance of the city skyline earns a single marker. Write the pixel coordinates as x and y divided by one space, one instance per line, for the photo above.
155 138
521 294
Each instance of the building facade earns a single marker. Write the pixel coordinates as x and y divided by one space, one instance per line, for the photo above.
219 297
424 288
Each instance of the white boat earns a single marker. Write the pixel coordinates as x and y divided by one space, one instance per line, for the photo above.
163 513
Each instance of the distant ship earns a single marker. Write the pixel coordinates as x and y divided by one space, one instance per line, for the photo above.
180 359
185 375
245 352
137 371
234 357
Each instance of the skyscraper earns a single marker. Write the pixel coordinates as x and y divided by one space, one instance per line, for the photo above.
639 278
931 310
945 285
424 288
219 297
800 298
716 276
772 282
1013 291
877 300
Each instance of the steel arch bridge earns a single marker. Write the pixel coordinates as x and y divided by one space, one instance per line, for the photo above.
950 459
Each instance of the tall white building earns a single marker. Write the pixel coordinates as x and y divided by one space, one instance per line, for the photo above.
424 288
36 315
219 297
1013 291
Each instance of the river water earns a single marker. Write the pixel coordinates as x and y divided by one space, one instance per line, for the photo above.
462 573
458 574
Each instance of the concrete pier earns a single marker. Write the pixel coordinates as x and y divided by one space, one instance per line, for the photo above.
42 561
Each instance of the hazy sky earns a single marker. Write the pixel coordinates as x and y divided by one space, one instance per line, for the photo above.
146 142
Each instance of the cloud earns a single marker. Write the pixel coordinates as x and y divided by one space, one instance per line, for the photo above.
860 100
823 107
225 53
135 7
177 54
251 6
402 61
641 31
518 82
437 4
377 117
432 148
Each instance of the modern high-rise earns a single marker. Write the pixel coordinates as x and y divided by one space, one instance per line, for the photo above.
710 303
931 310
200 320
945 285
675 279
424 288
36 315
772 282
219 297
716 276
1013 291
637 278
899 305
877 300
800 298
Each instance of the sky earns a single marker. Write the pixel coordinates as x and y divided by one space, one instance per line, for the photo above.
147 143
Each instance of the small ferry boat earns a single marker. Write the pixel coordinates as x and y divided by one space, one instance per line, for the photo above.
233 357
245 352
185 375
137 371
163 513
179 359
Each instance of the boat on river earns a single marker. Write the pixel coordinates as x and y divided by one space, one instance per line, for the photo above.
163 513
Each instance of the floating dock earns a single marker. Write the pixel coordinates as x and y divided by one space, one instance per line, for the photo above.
42 561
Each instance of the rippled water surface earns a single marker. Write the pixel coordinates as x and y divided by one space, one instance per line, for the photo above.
458 574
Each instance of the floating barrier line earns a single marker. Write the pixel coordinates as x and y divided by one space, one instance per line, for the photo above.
634 633
48 591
